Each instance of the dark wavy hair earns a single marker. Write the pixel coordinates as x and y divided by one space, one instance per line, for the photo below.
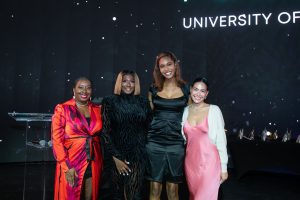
200 79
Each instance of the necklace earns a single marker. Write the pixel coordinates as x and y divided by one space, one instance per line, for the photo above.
81 104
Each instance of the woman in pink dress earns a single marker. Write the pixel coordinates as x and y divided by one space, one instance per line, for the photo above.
206 153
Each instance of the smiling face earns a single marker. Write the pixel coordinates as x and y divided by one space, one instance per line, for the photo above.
167 67
199 92
82 91
128 84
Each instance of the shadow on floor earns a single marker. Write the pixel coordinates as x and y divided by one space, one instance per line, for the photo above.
39 180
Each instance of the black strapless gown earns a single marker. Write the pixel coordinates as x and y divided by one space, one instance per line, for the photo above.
165 144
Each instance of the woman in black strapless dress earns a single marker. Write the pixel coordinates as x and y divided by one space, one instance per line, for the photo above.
165 145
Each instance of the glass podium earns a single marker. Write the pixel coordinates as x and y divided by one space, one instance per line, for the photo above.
38 152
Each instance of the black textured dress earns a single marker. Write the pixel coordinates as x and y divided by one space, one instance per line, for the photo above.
165 144
125 124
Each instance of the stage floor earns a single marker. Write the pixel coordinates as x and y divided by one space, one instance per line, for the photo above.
39 184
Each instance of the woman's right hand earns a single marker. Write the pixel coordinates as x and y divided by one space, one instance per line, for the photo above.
71 175
122 167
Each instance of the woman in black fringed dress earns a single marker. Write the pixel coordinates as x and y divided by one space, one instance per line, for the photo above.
126 116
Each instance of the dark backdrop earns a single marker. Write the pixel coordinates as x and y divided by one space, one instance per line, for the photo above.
44 45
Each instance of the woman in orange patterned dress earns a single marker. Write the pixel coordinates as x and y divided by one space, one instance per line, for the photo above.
76 125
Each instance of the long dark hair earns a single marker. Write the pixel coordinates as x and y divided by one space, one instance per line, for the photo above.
159 78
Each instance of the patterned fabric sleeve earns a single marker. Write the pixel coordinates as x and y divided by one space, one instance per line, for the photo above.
57 137
106 119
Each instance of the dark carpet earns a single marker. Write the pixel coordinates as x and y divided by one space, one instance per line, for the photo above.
39 178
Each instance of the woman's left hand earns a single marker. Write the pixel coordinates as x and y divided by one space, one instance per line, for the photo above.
122 166
224 177
71 176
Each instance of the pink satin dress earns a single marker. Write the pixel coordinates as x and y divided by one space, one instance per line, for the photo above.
202 163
